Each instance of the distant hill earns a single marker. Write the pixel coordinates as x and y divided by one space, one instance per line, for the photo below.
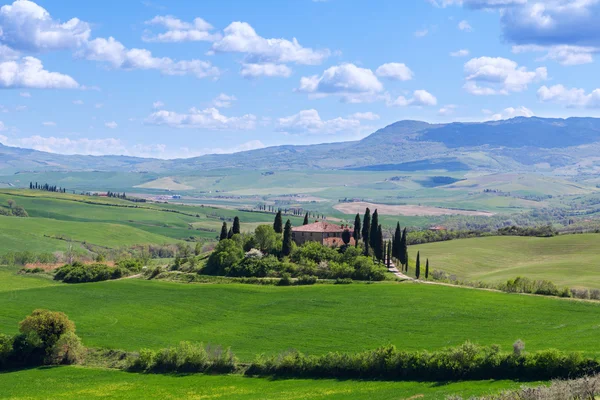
518 144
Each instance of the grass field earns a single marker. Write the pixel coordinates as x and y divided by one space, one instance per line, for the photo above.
567 260
74 382
132 314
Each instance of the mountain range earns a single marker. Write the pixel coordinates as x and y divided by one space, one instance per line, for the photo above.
559 146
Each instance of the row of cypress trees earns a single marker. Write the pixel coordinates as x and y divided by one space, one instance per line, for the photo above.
228 233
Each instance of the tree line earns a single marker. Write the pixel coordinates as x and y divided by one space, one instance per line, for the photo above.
46 187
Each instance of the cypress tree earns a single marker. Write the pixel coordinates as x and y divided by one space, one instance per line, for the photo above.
418 266
366 230
305 219
389 254
356 233
427 269
384 252
403 256
223 232
397 241
230 233
236 226
286 247
374 227
278 223
379 246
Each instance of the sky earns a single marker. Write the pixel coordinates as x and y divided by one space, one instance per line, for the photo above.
172 79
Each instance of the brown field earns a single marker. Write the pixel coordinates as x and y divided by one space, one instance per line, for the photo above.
405 210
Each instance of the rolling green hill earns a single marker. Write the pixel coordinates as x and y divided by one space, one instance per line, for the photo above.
132 314
567 260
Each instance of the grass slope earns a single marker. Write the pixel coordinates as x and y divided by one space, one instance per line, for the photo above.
10 281
132 314
567 260
74 382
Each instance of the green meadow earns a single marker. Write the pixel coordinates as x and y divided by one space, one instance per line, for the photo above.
131 314
88 383
567 260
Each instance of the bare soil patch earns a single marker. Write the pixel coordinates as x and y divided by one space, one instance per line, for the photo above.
405 210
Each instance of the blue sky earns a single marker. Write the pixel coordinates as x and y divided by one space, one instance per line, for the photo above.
179 78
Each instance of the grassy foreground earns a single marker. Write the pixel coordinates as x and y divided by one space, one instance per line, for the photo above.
74 382
567 260
132 314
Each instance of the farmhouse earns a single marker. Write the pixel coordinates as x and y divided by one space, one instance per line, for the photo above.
321 232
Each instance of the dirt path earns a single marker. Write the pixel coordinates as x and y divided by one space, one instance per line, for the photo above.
392 268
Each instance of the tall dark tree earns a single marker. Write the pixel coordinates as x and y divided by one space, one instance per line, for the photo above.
223 235
236 226
366 230
418 266
278 223
403 256
230 233
427 269
384 252
286 247
346 236
397 241
305 219
356 233
378 249
374 238
389 254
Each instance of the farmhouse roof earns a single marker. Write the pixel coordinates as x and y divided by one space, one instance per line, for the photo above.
320 226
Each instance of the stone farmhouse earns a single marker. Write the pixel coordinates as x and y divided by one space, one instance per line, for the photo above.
322 232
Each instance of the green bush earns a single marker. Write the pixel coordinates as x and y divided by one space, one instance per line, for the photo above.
227 254
306 280
6 345
366 270
67 350
315 252
80 273
285 280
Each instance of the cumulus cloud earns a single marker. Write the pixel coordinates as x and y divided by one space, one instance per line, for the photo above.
491 76
563 54
6 53
447 110
422 33
2 127
111 125
223 101
420 98
465 26
460 53
240 37
180 31
209 119
309 121
117 55
25 26
30 73
396 71
512 112
158 104
352 83
254 70
369 116
572 98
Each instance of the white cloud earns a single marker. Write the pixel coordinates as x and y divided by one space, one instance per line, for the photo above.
477 4
49 123
25 26
78 102
99 105
571 98
421 33
111 124
353 83
180 31
512 112
369 116
20 108
114 52
420 98
2 127
465 26
240 37
30 73
309 121
25 94
397 71
209 119
223 101
490 76
447 110
6 53
254 70
158 104
563 54
460 53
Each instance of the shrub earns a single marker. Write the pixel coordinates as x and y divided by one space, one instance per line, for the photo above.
315 252
306 280
285 280
6 345
47 325
226 255
80 273
343 281
67 350
366 270
131 264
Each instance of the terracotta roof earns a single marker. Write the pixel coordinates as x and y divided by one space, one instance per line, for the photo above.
319 226
335 241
